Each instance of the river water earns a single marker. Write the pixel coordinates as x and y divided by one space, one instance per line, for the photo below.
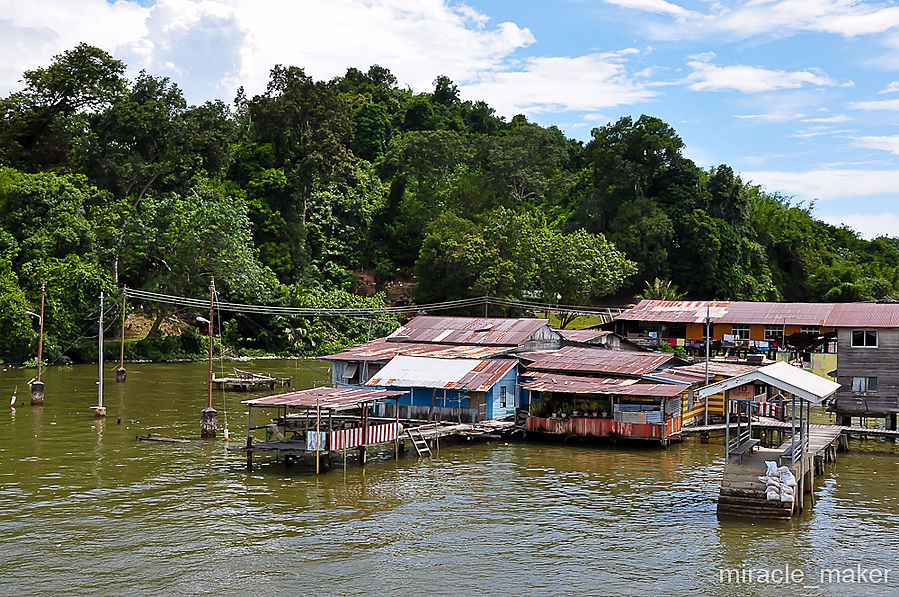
86 509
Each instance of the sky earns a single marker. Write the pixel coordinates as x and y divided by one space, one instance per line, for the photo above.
798 96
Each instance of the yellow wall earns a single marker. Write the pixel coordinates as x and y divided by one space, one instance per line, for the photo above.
756 332
823 363
695 331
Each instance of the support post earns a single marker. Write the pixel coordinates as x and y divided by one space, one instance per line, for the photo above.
100 411
249 439
318 426
37 386
708 339
363 453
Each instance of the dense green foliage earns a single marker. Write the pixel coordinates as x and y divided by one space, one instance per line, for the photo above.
288 198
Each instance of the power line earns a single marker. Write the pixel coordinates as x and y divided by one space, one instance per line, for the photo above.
363 312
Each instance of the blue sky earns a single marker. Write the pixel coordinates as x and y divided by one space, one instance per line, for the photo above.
800 96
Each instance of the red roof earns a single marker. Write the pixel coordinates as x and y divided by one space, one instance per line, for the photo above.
543 381
599 360
328 398
493 331
382 350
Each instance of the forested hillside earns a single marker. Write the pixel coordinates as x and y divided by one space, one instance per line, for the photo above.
289 197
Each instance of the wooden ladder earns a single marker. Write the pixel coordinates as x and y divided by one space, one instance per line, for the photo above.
419 443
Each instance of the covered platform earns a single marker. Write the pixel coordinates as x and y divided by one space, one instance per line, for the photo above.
314 429
742 493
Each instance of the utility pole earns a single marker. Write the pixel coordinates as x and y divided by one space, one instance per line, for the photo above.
120 373
209 417
37 386
708 334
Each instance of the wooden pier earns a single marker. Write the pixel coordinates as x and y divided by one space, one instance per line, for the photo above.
770 423
245 381
743 494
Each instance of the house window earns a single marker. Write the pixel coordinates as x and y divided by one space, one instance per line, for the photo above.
864 384
740 332
810 329
502 396
864 338
774 333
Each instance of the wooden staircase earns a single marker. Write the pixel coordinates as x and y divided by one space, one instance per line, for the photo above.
743 495
419 443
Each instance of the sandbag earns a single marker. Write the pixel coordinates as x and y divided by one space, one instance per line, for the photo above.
772 496
788 479
764 479
785 497
772 468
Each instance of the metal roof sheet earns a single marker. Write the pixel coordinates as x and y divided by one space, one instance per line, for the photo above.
459 374
382 350
327 398
544 381
600 360
582 335
729 312
873 315
781 375
692 374
494 331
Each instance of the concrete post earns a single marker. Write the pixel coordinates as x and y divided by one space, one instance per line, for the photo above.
37 393
209 420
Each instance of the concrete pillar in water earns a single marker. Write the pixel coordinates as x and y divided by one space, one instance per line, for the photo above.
37 392
100 412
120 375
209 420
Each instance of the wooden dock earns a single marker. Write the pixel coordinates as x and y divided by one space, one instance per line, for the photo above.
742 494
769 423
245 381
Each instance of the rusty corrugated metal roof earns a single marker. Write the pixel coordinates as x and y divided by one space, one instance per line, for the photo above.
873 315
692 374
493 331
383 351
729 312
327 398
882 315
582 335
600 360
452 374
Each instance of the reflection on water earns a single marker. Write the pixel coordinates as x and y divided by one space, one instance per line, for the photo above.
84 508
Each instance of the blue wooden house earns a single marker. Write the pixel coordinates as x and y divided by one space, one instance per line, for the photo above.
464 389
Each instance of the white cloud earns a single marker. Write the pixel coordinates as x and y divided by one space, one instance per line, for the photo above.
891 88
818 131
868 225
545 84
828 119
749 79
848 18
656 6
772 116
222 43
31 33
825 184
883 143
876 105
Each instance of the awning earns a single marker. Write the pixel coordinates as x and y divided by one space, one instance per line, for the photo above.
783 376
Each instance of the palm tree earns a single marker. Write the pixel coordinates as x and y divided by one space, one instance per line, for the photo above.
661 290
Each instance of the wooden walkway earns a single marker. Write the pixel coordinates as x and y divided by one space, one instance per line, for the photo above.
769 423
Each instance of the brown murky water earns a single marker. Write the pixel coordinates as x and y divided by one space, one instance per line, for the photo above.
86 509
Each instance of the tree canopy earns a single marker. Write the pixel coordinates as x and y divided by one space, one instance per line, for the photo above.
316 192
